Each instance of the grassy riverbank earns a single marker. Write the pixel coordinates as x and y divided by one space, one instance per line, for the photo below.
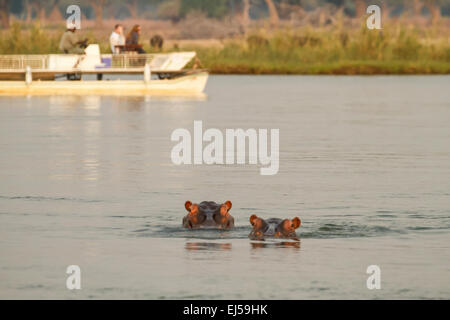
394 50
307 51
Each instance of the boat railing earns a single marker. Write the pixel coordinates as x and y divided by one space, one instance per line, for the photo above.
20 62
160 61
126 60
55 62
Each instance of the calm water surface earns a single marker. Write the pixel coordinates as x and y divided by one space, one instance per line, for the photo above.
364 162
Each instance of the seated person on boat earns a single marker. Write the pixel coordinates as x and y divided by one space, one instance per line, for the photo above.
69 42
117 40
132 41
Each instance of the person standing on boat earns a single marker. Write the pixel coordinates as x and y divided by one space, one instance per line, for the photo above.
69 42
117 39
132 41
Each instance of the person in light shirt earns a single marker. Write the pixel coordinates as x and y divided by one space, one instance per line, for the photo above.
117 38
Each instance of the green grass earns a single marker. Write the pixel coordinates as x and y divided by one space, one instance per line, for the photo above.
394 50
336 68
313 52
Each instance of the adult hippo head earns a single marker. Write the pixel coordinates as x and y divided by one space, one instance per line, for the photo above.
208 214
273 227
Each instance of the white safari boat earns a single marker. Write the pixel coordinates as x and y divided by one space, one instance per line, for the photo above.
55 74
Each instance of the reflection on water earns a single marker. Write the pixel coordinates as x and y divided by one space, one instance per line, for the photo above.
67 105
196 246
275 244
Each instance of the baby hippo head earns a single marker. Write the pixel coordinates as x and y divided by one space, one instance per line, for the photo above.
273 227
208 214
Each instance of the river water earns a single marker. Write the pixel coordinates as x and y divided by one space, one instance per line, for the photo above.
364 162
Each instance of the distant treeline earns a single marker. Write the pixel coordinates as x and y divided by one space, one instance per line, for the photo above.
241 10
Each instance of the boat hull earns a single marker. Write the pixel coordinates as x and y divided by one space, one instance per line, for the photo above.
183 85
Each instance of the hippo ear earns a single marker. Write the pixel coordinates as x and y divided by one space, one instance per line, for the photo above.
188 205
252 219
225 207
296 222
194 210
228 204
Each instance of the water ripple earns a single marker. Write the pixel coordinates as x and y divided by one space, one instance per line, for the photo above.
43 198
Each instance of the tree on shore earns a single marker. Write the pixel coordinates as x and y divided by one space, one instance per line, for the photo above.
97 6
271 7
213 9
39 8
245 15
169 9
132 6
434 6
417 7
360 8
4 13
273 13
